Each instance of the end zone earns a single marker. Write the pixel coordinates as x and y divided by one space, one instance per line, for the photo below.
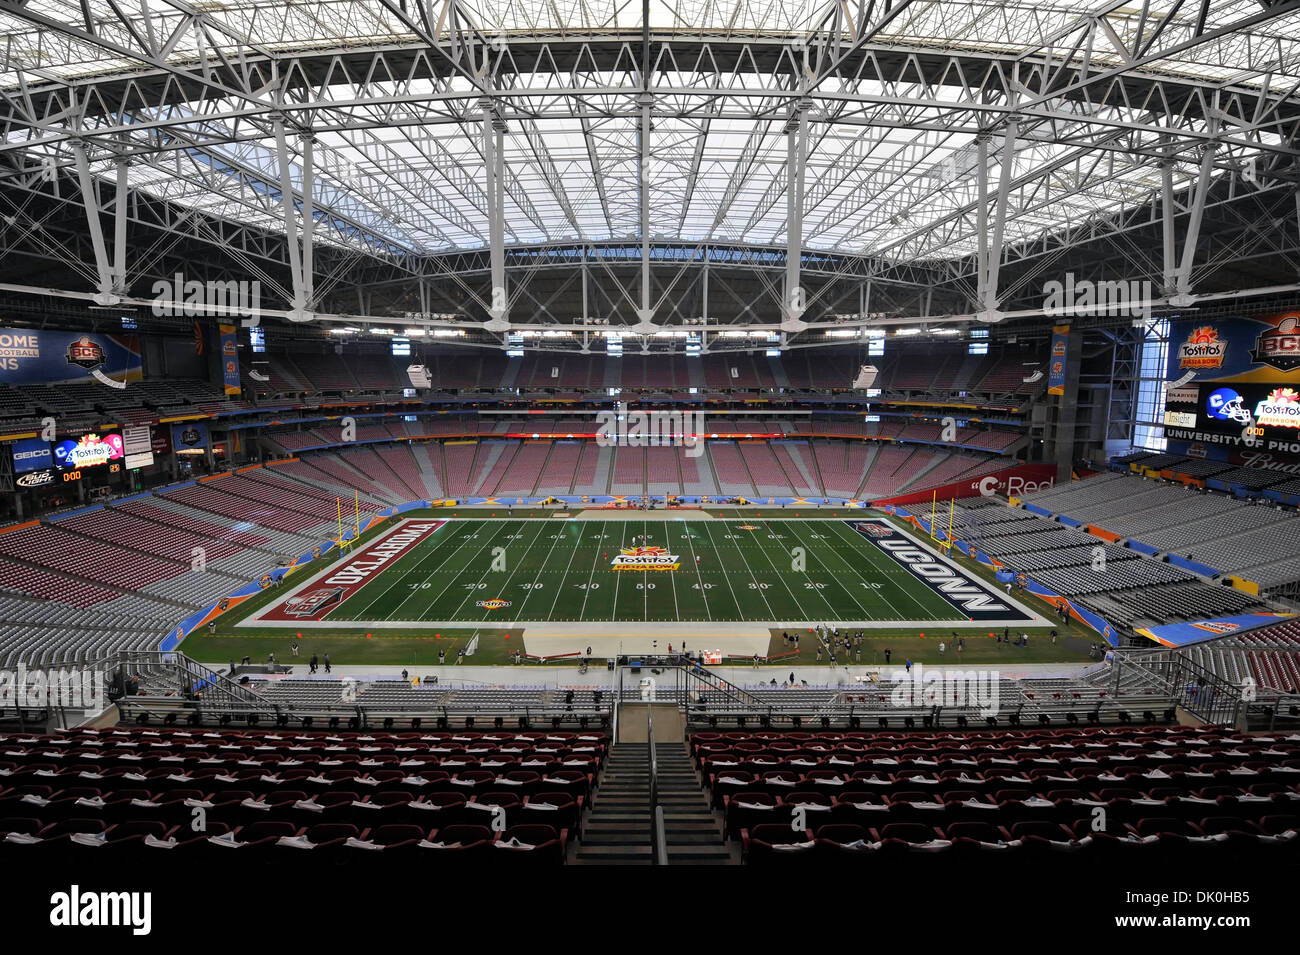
320 595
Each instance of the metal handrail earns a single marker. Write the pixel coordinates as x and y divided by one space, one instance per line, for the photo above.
658 840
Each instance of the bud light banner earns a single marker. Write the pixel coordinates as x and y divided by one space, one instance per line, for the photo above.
31 356
1056 363
1009 482
230 359
189 437
90 450
31 454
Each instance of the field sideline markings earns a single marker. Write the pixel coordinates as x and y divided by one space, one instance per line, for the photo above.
848 590
781 575
699 577
430 601
565 579
455 615
541 568
904 584
855 543
438 543
760 590
586 595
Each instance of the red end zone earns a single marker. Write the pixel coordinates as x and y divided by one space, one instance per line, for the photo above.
320 597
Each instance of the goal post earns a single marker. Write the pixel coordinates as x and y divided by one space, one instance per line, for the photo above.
942 539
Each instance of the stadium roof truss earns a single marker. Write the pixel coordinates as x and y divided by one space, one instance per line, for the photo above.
332 147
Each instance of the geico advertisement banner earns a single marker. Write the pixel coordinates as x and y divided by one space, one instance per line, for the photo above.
31 454
31 356
1009 482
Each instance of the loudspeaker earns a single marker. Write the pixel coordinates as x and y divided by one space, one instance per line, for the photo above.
866 377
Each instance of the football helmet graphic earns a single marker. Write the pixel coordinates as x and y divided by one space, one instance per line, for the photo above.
1225 404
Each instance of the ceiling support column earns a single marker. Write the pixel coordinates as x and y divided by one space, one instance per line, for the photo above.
90 199
300 311
494 129
796 155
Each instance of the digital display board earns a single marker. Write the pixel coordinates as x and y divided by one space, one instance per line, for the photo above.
1235 414
31 454
89 450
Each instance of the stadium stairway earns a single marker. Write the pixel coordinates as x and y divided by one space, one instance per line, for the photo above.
616 830
694 831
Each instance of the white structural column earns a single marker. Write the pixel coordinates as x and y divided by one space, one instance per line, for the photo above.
1169 258
494 129
308 221
796 156
981 219
645 313
299 312
1006 174
123 169
90 198
1183 285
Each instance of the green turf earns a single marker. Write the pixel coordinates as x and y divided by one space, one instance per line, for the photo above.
735 559
559 570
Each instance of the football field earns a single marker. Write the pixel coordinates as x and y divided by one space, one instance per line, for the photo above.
549 573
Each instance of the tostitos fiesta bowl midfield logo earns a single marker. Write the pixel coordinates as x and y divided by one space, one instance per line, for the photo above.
496 603
645 558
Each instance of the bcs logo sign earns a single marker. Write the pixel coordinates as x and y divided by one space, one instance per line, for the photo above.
1279 346
85 352
874 530
313 602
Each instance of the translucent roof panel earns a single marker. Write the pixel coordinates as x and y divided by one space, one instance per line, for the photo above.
192 92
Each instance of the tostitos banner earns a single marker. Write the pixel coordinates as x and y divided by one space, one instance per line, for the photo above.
1056 363
229 359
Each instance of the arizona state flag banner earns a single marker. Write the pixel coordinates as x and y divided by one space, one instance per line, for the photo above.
230 358
1056 364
